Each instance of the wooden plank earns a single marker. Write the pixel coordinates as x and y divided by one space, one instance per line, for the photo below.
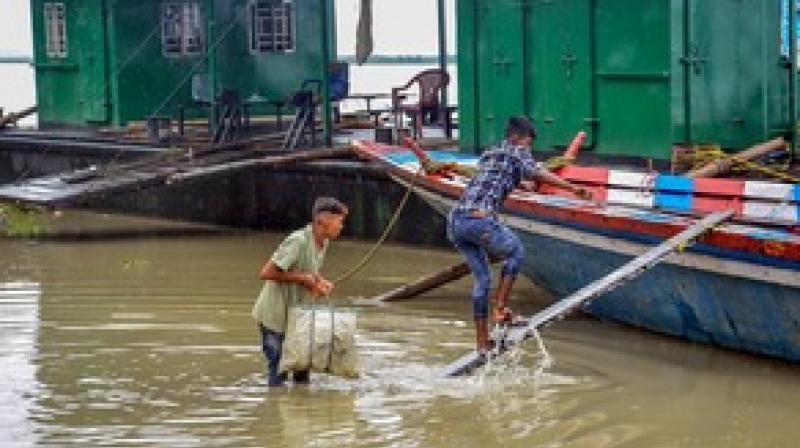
424 284
629 271
15 117
290 158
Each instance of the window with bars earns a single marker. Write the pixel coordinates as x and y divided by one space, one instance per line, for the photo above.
272 26
55 23
182 29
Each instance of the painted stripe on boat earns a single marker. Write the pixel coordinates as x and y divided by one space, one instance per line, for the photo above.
631 197
771 211
769 190
631 179
588 174
733 268
675 183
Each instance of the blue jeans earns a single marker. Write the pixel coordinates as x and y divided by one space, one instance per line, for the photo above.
272 345
476 238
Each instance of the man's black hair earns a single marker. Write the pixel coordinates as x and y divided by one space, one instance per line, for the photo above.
328 205
520 126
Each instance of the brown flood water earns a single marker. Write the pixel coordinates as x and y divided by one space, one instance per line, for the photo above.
149 342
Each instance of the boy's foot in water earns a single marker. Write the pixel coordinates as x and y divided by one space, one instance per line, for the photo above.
504 315
278 380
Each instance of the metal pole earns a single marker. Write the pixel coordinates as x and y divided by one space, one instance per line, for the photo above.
443 45
325 10
211 61
793 11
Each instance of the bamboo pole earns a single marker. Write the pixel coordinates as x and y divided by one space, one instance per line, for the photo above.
15 117
724 165
296 157
426 284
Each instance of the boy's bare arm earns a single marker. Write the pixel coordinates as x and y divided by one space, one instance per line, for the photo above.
272 272
545 175
314 283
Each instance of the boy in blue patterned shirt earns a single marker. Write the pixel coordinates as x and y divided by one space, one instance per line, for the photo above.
476 232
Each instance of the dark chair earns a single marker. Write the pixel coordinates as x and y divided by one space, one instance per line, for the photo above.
431 82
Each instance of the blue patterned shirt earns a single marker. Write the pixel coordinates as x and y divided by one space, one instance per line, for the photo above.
500 170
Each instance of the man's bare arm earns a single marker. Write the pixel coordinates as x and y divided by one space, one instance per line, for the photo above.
271 271
546 176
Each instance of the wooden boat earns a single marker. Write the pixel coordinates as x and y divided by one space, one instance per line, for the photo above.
738 287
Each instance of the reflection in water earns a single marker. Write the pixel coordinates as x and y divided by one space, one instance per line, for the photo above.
150 343
19 325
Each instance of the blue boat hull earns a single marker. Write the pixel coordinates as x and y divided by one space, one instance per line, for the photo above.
701 306
729 301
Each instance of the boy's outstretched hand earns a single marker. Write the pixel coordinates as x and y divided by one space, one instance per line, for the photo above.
583 193
321 287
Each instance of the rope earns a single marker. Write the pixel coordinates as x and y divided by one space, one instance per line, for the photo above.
333 324
311 329
386 232
349 274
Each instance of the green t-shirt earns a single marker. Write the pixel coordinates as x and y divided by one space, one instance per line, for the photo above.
297 253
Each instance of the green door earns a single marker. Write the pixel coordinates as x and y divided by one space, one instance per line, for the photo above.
72 76
500 83
633 78
724 60
90 42
559 55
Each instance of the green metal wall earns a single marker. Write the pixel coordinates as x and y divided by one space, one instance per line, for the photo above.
143 81
638 76
72 90
116 71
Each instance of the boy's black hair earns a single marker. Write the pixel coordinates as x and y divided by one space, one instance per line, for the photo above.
520 126
328 205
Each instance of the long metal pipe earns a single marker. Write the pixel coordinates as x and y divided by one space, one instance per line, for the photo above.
793 12
327 36
443 44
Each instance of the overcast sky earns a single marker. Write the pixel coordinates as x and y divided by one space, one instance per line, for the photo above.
401 26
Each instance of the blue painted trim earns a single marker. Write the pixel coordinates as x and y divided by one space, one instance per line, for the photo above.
438 156
667 182
677 201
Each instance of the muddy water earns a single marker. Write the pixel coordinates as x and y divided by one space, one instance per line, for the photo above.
149 342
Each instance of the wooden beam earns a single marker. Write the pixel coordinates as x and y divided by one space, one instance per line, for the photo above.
15 117
724 165
288 159
425 284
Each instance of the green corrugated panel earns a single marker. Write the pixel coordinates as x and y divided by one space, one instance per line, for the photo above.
116 70
73 89
632 78
638 76
559 61
466 36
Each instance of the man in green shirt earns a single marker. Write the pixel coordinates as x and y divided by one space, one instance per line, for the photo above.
292 276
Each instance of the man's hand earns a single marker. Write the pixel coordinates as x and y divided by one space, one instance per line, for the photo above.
528 185
310 283
317 285
324 286
583 193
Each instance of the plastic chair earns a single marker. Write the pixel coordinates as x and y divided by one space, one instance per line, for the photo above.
430 82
